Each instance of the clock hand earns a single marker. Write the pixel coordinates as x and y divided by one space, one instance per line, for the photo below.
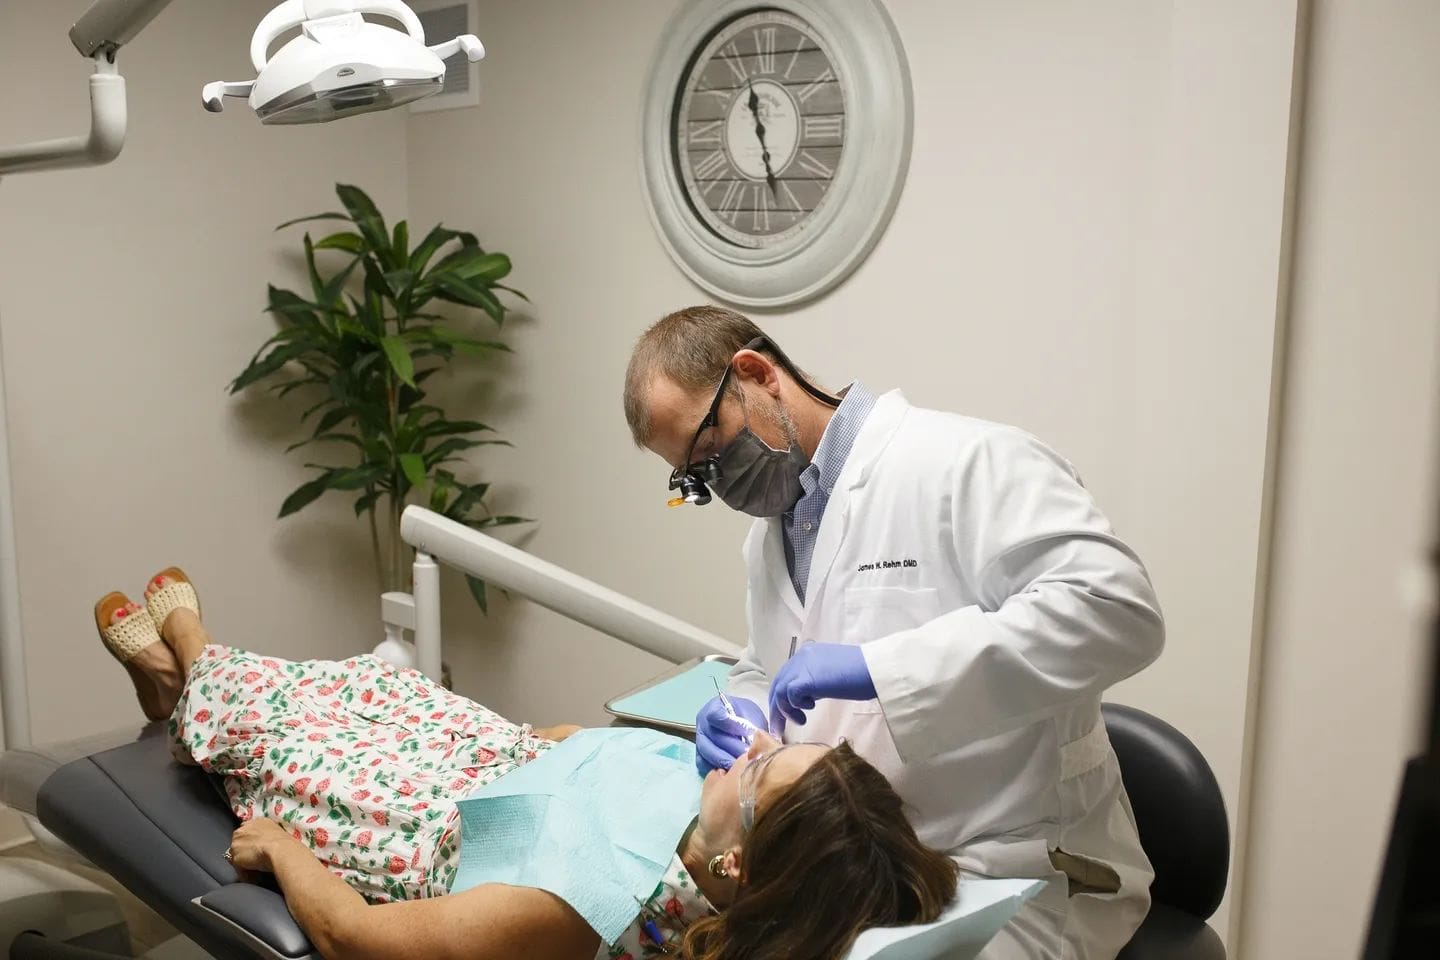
754 104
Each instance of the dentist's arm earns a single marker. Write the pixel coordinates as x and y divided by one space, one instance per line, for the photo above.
1066 608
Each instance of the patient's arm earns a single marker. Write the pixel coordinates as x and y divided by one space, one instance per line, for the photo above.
558 732
489 921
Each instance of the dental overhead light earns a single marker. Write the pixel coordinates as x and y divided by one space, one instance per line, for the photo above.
340 64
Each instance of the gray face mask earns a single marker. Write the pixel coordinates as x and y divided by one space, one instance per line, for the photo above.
758 479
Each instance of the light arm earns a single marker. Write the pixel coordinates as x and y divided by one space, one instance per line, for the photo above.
553 587
110 24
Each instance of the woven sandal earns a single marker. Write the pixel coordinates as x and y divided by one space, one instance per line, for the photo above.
179 592
124 639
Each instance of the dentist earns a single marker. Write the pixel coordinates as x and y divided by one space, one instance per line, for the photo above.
939 591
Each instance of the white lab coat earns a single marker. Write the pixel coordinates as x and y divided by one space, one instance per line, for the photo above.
995 606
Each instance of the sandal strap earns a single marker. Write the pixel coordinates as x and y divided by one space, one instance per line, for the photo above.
171 597
129 636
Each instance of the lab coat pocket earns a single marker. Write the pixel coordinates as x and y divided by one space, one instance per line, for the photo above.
875 612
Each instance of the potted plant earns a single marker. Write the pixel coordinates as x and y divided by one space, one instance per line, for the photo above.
360 347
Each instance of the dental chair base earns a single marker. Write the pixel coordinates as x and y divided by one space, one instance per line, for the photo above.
37 897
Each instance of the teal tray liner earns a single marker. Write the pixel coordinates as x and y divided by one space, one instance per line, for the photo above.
679 698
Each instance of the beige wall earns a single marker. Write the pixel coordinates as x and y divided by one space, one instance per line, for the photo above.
129 296
1088 245
1342 654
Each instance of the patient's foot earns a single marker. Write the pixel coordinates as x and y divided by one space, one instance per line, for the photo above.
153 667
182 631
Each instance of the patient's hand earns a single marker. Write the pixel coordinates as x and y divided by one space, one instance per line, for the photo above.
558 732
254 841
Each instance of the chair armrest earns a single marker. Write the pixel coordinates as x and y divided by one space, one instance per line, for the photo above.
260 915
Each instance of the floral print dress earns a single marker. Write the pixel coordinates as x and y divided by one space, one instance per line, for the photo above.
364 764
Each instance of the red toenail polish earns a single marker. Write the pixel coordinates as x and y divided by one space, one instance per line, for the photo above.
121 612
159 581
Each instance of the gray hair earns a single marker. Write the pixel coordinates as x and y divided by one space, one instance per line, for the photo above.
691 347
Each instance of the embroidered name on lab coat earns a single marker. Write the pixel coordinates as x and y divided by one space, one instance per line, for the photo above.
887 565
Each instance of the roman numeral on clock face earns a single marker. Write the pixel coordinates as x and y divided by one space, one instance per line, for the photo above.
707 134
764 49
735 61
760 209
713 163
730 203
829 127
813 87
813 164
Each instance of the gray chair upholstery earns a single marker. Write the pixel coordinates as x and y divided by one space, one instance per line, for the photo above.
163 835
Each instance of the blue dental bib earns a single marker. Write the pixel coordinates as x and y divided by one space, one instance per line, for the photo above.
595 820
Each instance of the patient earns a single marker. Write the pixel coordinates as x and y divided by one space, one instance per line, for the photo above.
346 775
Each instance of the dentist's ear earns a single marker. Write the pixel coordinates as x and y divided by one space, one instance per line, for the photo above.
731 863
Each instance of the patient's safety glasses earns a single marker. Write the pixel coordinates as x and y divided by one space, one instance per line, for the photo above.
750 781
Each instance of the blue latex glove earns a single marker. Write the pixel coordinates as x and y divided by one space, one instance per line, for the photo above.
719 739
818 671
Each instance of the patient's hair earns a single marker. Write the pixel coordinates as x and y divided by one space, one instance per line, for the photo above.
692 347
827 858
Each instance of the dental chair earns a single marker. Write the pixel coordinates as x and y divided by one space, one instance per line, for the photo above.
161 829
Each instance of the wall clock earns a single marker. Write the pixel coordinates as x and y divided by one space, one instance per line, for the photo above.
775 141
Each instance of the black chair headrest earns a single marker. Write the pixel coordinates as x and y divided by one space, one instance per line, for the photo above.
1178 809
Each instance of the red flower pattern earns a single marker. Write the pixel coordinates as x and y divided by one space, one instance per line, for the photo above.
398 763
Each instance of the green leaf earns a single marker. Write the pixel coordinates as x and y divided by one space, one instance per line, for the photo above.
501 521
331 418
353 478
442 450
400 242
464 344
460 291
439 491
511 290
318 216
329 295
287 388
434 240
362 210
349 327
367 502
399 358
305 494
290 304
272 361
477 590
317 283
398 281
469 497
472 264
351 439
347 240
414 466
443 428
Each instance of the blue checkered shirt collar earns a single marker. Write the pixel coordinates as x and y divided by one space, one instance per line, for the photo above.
801 525
837 440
